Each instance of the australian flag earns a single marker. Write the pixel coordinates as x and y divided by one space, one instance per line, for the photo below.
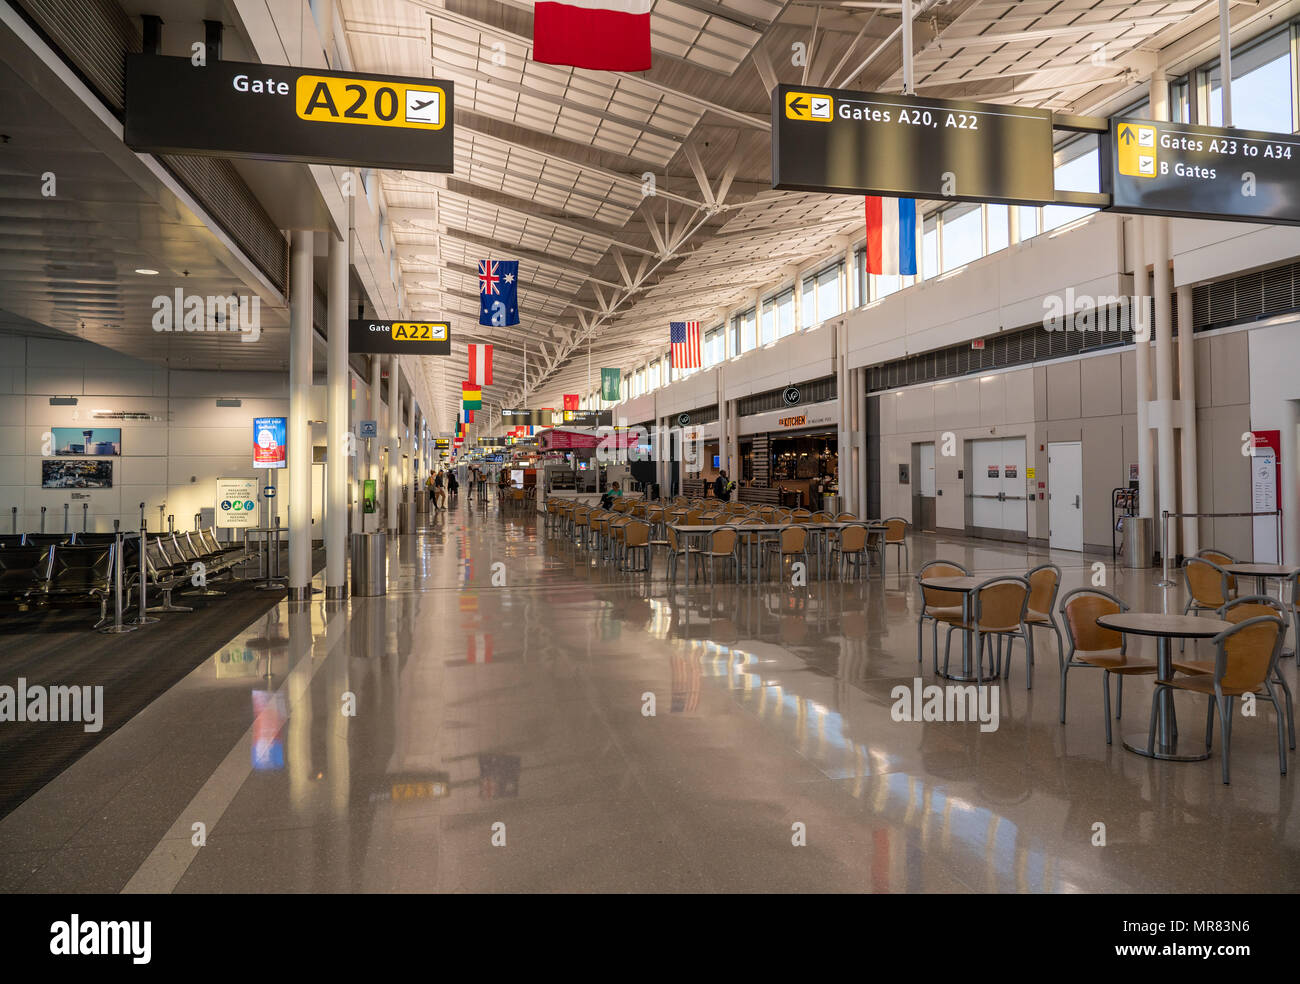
498 292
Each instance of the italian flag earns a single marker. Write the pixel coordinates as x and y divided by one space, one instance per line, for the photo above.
607 35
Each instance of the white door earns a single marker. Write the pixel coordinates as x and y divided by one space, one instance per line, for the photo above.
1065 496
1014 512
927 471
986 484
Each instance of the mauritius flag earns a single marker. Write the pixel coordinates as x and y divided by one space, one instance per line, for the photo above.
471 395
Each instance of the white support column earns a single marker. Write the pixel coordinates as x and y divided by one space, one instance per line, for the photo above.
860 394
411 445
377 415
1187 421
845 402
724 459
1165 357
733 453
394 452
338 442
299 436
1142 346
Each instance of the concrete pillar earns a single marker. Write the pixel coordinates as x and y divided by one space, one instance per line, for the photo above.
377 415
299 430
340 449
394 452
845 401
860 394
724 459
1190 499
1164 331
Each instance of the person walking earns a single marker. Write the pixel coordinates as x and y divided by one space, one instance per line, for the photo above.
722 487
439 491
453 485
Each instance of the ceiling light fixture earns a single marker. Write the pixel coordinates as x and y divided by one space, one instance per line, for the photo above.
146 272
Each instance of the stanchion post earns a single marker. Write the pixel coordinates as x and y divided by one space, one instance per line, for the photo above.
1164 549
85 515
42 519
142 616
65 518
171 523
13 517
117 626
142 515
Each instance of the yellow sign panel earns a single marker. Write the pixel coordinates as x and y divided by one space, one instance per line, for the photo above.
809 106
328 99
1137 150
412 331
1029 473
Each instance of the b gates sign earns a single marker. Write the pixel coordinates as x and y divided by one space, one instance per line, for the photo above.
276 112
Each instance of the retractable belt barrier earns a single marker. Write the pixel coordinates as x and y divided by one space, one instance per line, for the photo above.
1166 516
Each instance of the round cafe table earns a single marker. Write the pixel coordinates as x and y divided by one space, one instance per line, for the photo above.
966 587
1163 628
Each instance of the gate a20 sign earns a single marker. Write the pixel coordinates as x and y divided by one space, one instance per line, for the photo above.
277 112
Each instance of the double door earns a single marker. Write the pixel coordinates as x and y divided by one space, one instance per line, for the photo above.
998 502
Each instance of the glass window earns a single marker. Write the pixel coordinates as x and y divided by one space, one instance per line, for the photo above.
995 223
710 354
767 324
862 283
654 375
963 235
930 247
1028 221
783 303
1180 101
809 302
1261 88
735 337
829 299
1076 170
745 322
884 286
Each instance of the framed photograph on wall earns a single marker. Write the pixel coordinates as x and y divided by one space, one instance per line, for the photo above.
89 473
87 441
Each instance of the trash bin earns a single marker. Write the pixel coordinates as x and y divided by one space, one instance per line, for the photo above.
406 521
421 501
1136 550
831 503
369 564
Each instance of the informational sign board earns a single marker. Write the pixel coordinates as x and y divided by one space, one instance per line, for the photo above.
236 502
869 143
555 418
1265 492
1204 172
269 442
369 428
371 337
276 112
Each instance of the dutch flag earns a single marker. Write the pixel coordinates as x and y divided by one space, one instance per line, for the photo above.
891 236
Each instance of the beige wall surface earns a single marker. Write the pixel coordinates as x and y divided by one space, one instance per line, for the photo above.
1089 399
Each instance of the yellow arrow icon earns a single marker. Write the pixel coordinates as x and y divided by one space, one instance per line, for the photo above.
809 106
1137 150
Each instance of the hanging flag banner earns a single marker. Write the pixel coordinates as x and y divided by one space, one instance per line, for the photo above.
471 396
609 383
480 364
606 35
684 344
498 291
871 143
571 401
1204 172
281 113
371 337
891 236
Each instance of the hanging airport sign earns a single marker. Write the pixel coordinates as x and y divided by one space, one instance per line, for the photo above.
276 112
1204 172
371 337
869 143
517 417
369 428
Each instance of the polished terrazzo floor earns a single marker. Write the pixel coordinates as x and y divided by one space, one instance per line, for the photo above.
499 744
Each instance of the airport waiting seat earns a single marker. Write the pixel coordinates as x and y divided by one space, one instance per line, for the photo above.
851 548
84 575
1245 662
1044 583
24 575
46 539
997 612
937 605
896 537
1091 645
636 537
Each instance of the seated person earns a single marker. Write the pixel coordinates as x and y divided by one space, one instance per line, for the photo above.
612 493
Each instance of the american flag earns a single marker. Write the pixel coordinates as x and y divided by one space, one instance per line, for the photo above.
685 339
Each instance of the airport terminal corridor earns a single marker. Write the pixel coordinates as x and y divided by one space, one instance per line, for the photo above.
504 680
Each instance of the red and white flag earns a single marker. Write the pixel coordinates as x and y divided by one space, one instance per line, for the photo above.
480 365
608 35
